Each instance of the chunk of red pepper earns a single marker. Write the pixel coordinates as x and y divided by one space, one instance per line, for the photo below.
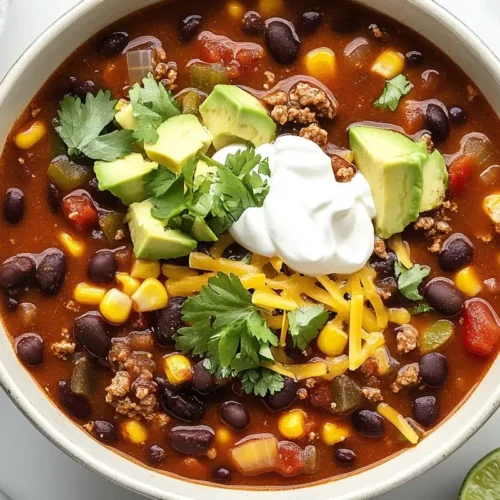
79 209
481 327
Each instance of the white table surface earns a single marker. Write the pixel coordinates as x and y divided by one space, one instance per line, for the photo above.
32 468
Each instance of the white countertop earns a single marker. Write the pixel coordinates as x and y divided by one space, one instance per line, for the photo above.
32 468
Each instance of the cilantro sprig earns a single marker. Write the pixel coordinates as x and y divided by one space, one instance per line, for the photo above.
305 324
394 90
227 329
80 126
152 104
410 279
219 197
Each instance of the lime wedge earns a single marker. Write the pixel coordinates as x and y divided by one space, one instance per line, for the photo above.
483 480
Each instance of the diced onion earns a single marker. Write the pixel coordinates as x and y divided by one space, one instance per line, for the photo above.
358 51
152 41
491 175
256 455
478 146
140 64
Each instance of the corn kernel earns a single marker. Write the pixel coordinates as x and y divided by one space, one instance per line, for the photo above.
127 284
223 436
88 295
74 247
270 8
389 64
333 433
321 63
178 369
143 269
28 137
292 424
150 296
116 306
332 340
468 282
134 431
235 10
491 205
177 272
399 315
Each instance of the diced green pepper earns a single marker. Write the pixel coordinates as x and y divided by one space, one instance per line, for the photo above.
347 395
191 103
113 226
436 336
67 175
83 379
206 76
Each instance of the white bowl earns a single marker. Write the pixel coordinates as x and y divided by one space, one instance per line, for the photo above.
3 13
21 84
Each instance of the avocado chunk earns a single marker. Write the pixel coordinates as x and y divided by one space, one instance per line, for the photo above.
180 139
233 115
201 231
393 166
435 182
150 237
124 177
125 115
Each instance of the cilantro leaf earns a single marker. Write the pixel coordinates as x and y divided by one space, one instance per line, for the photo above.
422 308
152 105
158 181
305 324
393 91
261 381
226 328
410 279
80 124
172 203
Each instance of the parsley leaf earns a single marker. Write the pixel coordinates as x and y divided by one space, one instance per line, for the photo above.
262 381
305 324
422 308
410 279
80 125
393 91
227 329
152 105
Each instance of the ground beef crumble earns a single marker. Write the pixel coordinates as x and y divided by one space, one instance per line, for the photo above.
408 376
64 347
132 390
380 249
407 339
315 133
343 170
370 367
372 394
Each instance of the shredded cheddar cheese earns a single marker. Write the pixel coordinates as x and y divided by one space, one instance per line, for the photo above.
399 422
203 262
218 249
356 320
284 329
401 250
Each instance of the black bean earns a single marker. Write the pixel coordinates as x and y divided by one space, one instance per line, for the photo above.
235 415
76 405
156 454
283 399
444 297
91 333
105 431
433 369
389 286
222 474
81 89
282 40
102 267
414 57
344 456
425 410
253 23
13 205
53 197
309 22
195 440
29 348
15 274
113 44
51 271
457 252
203 380
368 423
190 26
235 252
458 115
181 404
168 321
437 122
384 267
11 304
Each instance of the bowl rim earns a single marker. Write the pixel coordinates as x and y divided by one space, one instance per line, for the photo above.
49 430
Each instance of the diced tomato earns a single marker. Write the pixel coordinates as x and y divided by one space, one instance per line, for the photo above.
291 459
80 210
460 173
320 395
480 326
414 119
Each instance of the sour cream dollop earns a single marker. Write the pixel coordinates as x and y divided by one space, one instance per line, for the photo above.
313 223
